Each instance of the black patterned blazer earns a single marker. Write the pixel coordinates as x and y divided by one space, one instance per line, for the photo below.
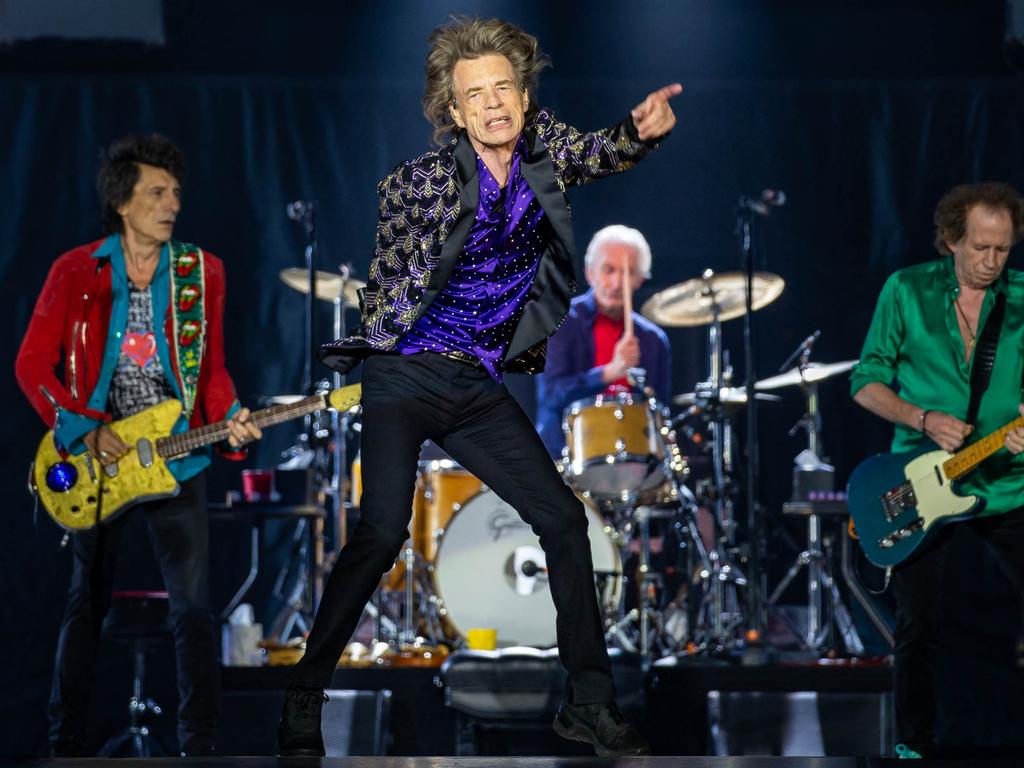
427 208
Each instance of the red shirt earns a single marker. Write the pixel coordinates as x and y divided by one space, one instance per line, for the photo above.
607 333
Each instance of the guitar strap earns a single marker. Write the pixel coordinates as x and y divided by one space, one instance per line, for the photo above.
188 307
985 356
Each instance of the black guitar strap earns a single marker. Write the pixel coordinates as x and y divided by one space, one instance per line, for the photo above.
985 356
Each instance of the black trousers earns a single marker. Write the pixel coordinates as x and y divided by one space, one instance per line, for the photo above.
919 601
179 535
406 400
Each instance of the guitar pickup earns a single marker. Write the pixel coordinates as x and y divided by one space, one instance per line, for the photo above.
897 500
144 448
887 542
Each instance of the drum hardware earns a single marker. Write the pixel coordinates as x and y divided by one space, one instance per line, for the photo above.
710 300
342 291
812 476
716 574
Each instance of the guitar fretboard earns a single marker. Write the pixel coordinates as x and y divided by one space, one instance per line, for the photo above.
178 445
963 461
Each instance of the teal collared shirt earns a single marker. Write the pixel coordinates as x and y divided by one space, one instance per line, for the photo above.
71 427
914 346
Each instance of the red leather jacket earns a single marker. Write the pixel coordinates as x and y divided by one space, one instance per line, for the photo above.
71 320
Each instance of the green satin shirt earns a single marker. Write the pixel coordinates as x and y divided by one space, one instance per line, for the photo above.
914 346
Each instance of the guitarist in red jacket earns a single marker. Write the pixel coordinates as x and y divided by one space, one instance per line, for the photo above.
918 369
137 318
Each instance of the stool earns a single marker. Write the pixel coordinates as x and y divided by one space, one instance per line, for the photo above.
139 619
521 689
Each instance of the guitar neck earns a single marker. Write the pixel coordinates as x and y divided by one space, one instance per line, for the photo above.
180 444
966 459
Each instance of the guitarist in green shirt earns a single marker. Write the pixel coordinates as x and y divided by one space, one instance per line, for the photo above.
915 370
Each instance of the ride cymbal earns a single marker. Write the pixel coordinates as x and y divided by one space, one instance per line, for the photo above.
328 284
694 302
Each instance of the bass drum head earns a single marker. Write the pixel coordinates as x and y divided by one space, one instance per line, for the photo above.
485 572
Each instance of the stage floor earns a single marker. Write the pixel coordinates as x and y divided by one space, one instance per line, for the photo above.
494 762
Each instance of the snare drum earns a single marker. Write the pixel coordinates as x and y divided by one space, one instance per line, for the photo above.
612 450
486 572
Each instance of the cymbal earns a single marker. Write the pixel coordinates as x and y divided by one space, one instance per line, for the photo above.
813 372
735 396
692 302
328 284
282 399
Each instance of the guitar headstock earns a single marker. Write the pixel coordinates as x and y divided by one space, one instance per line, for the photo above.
343 398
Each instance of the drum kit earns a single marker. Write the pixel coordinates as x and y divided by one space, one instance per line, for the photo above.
669 570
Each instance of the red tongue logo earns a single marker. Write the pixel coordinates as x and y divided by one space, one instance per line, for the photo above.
139 348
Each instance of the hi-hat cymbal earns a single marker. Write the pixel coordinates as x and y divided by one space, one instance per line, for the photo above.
693 302
729 396
813 372
328 284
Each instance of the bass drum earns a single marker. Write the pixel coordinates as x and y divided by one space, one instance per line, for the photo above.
486 572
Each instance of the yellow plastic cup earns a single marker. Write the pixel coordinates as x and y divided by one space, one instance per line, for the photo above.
482 638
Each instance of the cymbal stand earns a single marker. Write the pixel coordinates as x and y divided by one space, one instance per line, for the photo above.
719 606
818 578
720 609
339 425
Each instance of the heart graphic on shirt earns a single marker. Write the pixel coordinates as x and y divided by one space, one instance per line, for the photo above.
140 348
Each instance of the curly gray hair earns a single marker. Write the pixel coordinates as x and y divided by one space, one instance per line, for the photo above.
471 38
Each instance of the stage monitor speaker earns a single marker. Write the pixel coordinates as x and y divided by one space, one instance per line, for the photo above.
356 722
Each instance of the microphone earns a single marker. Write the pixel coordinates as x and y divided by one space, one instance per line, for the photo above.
299 209
803 349
770 198
637 378
530 568
679 424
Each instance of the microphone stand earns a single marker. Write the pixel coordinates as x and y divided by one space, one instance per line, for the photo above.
307 217
756 583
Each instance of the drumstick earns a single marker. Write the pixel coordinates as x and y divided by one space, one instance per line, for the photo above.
627 299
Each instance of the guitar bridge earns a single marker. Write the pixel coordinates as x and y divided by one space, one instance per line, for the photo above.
897 500
887 542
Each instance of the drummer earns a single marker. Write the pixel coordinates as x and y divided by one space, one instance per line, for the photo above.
590 353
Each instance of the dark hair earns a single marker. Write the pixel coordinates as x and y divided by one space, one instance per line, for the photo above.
119 171
951 212
469 38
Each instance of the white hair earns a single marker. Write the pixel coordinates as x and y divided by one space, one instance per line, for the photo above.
618 233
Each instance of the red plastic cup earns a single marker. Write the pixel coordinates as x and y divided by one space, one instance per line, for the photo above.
258 484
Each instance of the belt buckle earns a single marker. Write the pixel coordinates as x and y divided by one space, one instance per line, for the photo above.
462 357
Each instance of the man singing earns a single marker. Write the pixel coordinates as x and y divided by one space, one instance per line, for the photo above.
473 270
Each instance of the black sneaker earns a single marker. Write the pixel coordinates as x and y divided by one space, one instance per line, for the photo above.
298 734
603 727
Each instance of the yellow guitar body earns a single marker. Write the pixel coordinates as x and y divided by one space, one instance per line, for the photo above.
78 491
139 476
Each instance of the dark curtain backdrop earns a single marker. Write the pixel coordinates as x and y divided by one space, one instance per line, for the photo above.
862 160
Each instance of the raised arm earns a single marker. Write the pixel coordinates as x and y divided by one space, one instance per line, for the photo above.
582 157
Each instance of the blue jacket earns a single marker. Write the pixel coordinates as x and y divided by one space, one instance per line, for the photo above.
571 375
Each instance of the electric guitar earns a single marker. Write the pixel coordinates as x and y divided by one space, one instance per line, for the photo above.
899 501
79 491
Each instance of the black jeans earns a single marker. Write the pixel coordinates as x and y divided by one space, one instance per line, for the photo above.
919 603
179 535
406 400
